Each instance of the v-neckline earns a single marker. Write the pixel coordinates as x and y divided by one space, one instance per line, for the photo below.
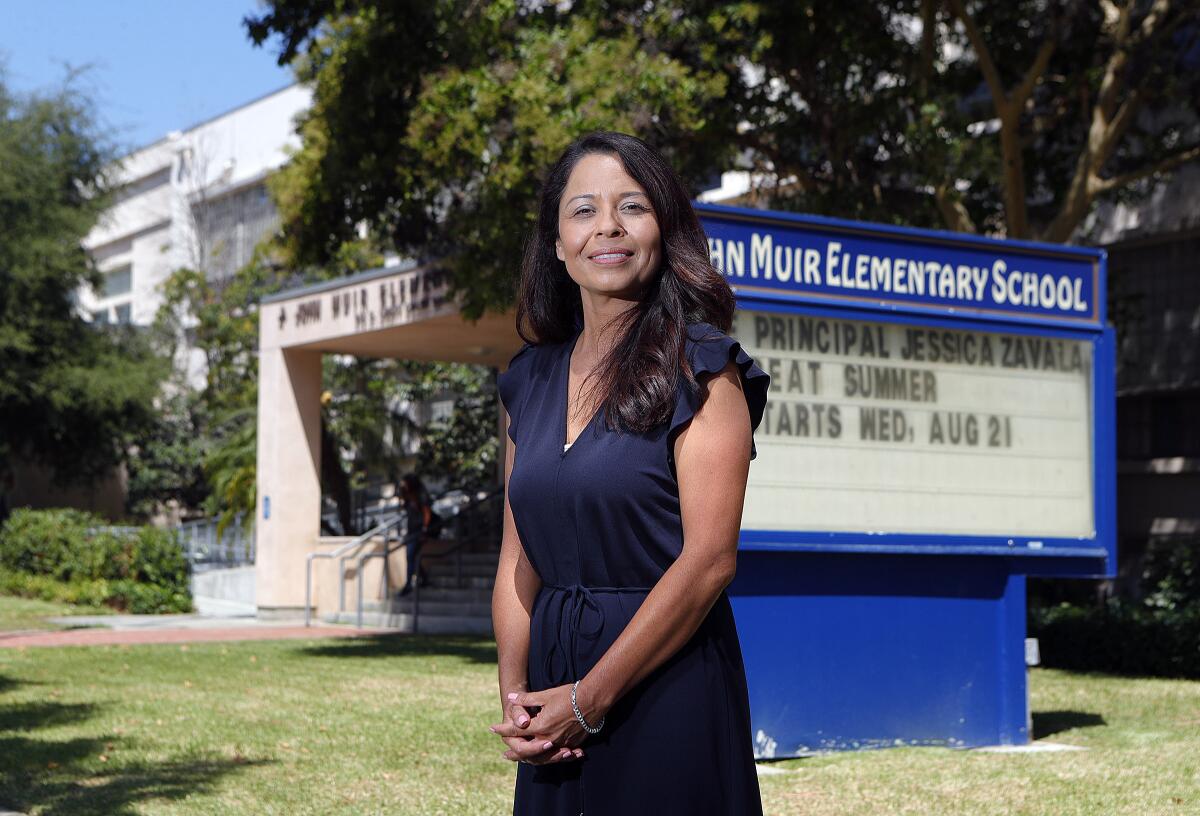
569 445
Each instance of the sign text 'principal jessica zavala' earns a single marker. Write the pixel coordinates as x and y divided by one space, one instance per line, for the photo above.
968 277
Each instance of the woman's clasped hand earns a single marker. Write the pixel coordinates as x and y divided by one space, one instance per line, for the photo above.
540 727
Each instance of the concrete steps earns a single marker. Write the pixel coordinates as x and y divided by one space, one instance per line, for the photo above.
429 625
469 581
447 607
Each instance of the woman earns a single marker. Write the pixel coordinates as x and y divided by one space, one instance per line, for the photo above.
621 677
418 513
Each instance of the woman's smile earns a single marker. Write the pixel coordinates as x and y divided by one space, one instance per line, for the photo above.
611 256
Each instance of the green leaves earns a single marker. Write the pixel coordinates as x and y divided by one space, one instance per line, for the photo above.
433 124
372 430
486 133
217 452
68 555
71 395
433 127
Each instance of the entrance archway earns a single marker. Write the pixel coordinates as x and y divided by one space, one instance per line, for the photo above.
403 314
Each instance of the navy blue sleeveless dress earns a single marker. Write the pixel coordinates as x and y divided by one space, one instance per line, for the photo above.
600 523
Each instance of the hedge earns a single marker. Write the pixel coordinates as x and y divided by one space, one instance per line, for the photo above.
1120 637
68 556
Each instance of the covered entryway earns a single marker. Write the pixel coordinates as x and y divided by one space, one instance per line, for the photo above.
403 314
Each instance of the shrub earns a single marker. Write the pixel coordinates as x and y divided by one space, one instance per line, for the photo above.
45 588
1120 637
151 556
53 543
1171 573
68 556
148 599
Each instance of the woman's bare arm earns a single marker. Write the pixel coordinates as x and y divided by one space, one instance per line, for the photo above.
712 457
516 587
513 594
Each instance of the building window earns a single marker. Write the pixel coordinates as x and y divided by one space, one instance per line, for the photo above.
113 314
230 226
118 281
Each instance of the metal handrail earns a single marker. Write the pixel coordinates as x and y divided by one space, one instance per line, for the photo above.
339 553
387 551
347 552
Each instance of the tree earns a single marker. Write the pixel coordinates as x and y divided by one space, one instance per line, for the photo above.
367 430
464 445
432 122
165 463
1089 99
221 317
72 395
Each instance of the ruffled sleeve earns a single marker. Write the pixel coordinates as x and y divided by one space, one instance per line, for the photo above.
512 386
708 350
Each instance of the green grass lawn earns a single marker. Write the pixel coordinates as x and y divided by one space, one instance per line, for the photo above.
399 726
23 614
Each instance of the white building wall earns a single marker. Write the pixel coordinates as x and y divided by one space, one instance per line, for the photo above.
152 226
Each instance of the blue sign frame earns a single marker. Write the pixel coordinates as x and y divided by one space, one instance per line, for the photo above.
966 283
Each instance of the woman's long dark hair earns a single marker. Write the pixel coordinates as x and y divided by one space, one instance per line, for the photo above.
641 374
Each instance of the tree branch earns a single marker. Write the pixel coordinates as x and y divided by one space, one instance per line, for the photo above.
1008 108
780 166
1117 126
1163 165
1124 41
1034 74
1150 22
1110 84
1112 14
990 74
1111 117
928 46
951 207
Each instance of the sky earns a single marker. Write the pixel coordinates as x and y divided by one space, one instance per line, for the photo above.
154 65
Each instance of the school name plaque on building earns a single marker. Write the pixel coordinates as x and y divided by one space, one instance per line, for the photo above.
875 426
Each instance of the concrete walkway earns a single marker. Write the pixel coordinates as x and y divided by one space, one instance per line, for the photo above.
107 630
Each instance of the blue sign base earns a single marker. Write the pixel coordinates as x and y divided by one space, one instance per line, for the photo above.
848 652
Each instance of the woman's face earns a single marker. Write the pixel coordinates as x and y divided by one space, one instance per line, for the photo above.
607 230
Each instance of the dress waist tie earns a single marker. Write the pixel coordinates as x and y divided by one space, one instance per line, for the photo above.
574 598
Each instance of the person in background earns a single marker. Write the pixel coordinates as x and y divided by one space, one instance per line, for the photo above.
417 507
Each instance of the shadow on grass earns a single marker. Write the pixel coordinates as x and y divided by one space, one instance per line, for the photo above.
474 649
54 778
79 776
1046 723
31 716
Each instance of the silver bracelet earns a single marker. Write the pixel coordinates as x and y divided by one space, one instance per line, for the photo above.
579 714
